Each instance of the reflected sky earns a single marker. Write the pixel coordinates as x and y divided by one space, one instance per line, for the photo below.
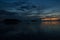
31 28
50 27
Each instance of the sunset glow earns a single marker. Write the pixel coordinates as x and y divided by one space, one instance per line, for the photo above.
50 18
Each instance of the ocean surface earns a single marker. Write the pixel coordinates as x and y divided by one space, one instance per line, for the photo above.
31 31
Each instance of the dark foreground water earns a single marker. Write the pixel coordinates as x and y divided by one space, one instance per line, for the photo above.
30 31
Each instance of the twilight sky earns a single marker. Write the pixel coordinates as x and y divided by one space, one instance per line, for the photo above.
52 7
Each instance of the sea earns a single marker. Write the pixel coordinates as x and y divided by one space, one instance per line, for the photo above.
31 31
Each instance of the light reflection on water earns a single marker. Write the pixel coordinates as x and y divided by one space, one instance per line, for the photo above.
45 27
50 27
51 23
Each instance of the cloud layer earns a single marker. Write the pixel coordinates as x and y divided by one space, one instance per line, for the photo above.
49 7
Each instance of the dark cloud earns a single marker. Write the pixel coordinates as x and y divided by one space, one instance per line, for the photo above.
46 5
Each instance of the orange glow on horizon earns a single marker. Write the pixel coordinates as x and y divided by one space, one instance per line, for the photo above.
50 18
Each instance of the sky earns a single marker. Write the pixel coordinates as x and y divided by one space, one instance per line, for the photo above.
51 7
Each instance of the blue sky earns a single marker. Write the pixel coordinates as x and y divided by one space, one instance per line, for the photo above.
52 7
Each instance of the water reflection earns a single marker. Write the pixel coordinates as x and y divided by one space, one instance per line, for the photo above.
47 27
44 29
51 23
50 27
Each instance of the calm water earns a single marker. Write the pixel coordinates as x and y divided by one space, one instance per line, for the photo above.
52 28
44 29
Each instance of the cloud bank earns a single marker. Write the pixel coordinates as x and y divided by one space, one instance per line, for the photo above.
47 7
